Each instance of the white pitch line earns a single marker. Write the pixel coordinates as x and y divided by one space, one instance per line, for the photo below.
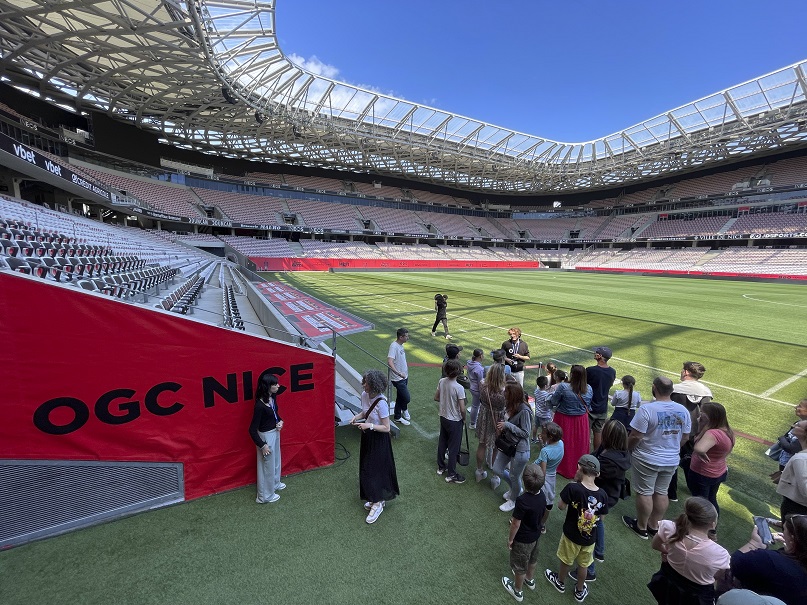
424 433
486 338
784 383
568 346
773 302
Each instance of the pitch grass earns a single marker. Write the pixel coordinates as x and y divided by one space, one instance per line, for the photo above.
441 543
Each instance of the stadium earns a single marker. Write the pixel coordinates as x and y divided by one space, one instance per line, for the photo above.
183 208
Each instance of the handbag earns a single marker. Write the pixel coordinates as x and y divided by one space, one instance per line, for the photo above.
464 455
507 442
774 451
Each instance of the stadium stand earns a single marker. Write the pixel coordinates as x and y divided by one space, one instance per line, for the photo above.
376 190
265 177
791 171
775 222
393 220
313 182
121 261
170 198
249 246
682 227
450 225
327 215
785 261
318 249
244 207
642 258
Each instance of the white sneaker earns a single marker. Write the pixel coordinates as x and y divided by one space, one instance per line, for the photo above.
375 510
507 506
449 337
274 498
402 420
495 480
280 486
506 495
434 333
406 415
368 505
480 474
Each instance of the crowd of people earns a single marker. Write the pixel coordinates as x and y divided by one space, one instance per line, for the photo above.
636 452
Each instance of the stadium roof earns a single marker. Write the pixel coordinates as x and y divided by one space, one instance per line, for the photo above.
209 75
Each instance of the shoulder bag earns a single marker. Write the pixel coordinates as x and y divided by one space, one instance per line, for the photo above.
464 455
507 442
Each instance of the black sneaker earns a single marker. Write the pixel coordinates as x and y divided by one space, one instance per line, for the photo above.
599 558
510 587
630 523
553 579
651 532
455 478
529 583
590 577
580 595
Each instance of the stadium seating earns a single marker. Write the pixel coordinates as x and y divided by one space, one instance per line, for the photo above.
243 207
775 222
327 215
672 227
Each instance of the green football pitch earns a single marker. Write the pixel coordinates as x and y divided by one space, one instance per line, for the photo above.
442 543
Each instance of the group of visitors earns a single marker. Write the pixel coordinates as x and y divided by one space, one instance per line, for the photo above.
681 427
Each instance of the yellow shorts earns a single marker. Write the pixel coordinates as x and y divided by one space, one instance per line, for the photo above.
573 554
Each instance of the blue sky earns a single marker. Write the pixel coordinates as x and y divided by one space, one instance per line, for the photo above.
565 70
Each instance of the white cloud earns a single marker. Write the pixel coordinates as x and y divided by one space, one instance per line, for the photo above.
315 66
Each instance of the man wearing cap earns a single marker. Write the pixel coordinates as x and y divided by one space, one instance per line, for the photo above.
516 352
657 431
453 352
601 378
499 356
399 376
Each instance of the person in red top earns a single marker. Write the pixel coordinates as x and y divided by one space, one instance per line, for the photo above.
713 444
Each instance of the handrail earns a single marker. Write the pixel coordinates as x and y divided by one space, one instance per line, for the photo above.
335 334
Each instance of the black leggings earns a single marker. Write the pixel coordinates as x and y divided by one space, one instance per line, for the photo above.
437 321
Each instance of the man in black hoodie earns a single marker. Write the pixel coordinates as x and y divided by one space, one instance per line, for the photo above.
440 306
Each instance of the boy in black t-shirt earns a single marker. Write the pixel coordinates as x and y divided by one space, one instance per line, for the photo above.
584 503
525 529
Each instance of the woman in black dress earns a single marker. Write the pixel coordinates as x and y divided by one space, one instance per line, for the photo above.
378 481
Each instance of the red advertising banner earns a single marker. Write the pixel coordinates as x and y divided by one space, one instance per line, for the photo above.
311 316
86 377
263 263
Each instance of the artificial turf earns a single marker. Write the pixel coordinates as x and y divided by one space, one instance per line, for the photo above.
442 543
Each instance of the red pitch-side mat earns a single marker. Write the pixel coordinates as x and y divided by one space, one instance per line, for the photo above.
311 316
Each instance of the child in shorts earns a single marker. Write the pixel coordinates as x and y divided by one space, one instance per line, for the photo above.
549 459
585 504
543 411
525 530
